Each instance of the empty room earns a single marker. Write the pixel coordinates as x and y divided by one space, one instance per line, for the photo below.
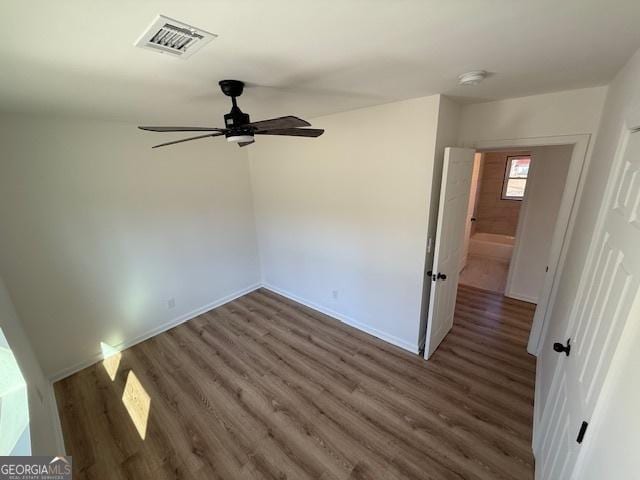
320 240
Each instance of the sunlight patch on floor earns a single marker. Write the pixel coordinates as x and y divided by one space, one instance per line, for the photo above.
137 402
111 360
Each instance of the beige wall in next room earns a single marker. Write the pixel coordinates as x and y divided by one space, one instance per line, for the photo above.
495 215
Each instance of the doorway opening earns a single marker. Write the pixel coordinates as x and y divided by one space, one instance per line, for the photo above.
505 215
498 186
515 201
512 216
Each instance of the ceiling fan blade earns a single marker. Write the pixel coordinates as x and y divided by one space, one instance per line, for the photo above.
217 134
244 144
182 129
293 132
280 122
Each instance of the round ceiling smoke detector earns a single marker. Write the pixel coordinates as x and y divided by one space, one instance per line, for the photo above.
472 78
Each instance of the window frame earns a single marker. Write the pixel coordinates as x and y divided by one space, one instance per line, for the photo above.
506 178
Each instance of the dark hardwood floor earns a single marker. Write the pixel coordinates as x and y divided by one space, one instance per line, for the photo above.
263 387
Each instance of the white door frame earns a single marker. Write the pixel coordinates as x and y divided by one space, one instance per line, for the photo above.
473 205
564 223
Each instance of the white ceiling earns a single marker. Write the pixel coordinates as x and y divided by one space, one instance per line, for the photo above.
303 57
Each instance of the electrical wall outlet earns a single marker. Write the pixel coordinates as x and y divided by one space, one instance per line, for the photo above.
171 303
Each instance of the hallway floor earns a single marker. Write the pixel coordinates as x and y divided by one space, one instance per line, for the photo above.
263 387
485 273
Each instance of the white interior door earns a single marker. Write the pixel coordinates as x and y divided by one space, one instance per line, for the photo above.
449 245
602 307
471 209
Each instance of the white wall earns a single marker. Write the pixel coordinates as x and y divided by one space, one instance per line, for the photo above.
99 231
446 136
537 221
562 113
348 213
46 437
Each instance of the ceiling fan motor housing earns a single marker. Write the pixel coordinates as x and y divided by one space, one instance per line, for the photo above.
235 121
236 118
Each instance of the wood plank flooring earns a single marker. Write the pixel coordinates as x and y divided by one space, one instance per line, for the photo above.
265 388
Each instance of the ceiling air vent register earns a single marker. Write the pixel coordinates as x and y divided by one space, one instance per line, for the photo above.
166 35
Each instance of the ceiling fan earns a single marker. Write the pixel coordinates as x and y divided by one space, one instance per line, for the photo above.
239 128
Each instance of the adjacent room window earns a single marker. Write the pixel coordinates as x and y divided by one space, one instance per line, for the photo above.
515 177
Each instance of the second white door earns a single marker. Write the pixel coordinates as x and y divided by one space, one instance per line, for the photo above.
449 245
585 346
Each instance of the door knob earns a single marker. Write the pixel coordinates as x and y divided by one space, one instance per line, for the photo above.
442 276
558 347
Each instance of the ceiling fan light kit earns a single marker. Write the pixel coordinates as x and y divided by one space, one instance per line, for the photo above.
240 138
238 126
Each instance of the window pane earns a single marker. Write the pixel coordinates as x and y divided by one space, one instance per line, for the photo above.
515 187
519 168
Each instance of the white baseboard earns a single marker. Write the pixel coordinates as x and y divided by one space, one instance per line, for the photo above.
524 298
398 342
65 372
55 417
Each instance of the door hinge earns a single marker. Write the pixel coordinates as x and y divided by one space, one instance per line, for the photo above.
583 430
